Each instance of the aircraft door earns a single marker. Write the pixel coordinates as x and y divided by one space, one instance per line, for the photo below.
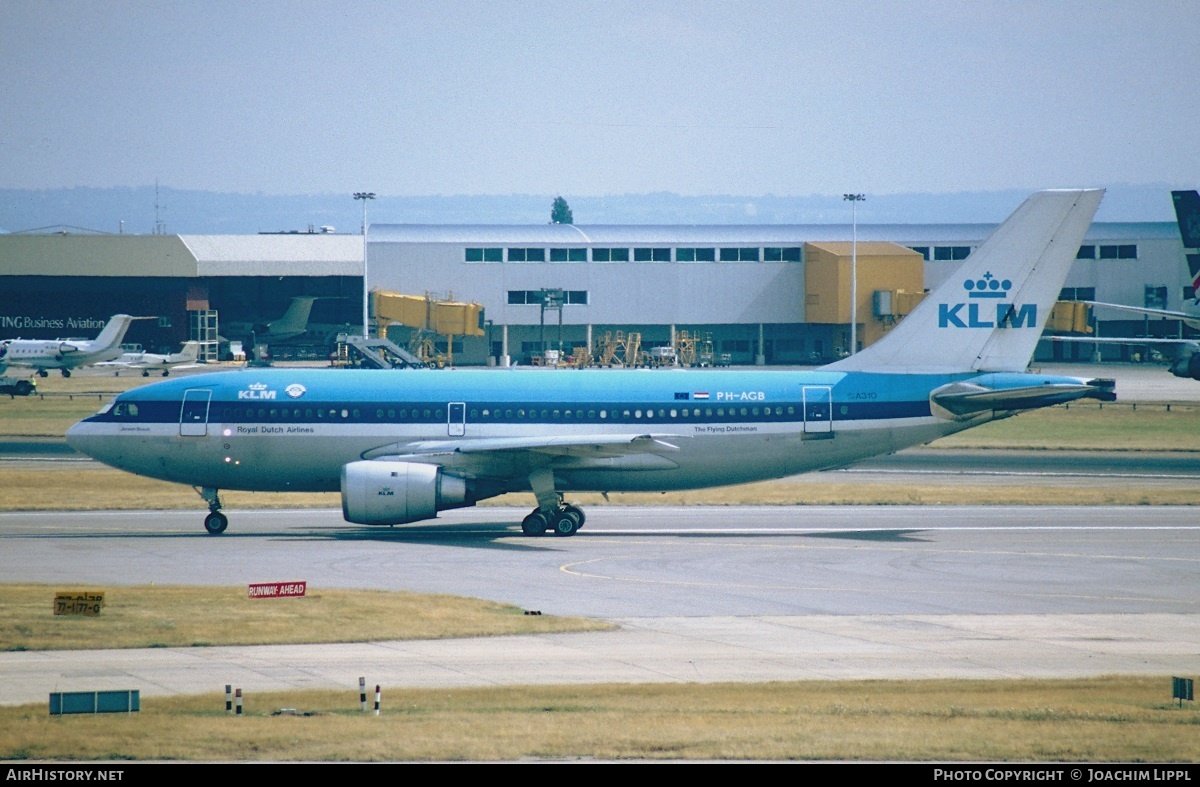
193 416
818 409
456 419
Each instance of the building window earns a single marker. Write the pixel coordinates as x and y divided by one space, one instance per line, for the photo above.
922 250
1123 252
951 253
577 297
651 255
485 255
568 255
1077 294
782 254
695 255
610 255
1086 253
739 255
526 255
1156 297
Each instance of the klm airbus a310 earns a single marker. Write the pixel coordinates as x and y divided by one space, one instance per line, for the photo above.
403 445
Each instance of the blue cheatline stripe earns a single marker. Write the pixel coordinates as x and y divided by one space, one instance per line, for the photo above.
405 412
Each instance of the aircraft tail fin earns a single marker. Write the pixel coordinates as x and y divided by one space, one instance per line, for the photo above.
190 351
114 330
989 315
1187 213
295 319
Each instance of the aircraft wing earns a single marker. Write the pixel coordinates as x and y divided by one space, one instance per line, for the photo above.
503 457
1191 320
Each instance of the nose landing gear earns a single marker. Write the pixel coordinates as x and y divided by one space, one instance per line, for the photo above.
216 522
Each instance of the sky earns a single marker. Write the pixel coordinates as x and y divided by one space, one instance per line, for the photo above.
599 98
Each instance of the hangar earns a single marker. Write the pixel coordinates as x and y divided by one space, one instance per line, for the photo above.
773 294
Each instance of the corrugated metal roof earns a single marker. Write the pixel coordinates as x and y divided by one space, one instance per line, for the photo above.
276 255
701 234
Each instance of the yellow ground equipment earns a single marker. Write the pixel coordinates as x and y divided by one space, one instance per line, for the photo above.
428 316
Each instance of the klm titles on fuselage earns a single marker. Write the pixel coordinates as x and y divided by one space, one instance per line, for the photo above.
259 392
977 314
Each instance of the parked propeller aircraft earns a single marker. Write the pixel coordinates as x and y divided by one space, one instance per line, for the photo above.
66 354
158 362
403 445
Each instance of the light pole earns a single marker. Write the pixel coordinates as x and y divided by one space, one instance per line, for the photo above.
854 199
364 196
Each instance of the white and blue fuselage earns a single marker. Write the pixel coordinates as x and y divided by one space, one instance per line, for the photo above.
295 429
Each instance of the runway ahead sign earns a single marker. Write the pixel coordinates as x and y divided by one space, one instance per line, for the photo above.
277 590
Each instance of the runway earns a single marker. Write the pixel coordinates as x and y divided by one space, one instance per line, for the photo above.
700 593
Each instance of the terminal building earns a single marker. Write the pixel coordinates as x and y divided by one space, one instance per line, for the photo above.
766 294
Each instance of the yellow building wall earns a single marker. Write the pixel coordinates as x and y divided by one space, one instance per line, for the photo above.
881 266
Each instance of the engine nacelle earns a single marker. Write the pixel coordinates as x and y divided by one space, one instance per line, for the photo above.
393 493
1187 367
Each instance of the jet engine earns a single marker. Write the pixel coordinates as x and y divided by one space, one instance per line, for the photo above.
1187 367
392 493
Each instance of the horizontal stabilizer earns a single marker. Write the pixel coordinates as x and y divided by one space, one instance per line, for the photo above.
1006 393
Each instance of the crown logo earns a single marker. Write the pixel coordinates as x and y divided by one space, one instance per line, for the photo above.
987 286
257 386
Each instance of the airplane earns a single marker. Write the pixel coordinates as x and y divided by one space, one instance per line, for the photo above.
145 362
401 446
292 323
66 354
1185 353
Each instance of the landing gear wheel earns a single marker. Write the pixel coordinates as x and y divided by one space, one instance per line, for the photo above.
565 523
576 512
65 372
215 523
535 524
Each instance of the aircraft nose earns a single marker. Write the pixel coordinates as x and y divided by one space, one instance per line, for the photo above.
83 439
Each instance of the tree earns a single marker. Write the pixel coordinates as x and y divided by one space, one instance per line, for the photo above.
560 212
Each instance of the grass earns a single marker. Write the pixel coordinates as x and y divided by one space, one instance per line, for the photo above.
1089 426
1106 719
164 616
93 487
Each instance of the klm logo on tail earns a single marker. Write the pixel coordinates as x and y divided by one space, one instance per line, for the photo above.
982 294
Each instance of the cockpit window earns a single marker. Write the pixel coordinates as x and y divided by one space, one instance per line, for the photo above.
125 410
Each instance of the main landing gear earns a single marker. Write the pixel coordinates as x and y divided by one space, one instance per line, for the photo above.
552 513
564 521
216 522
